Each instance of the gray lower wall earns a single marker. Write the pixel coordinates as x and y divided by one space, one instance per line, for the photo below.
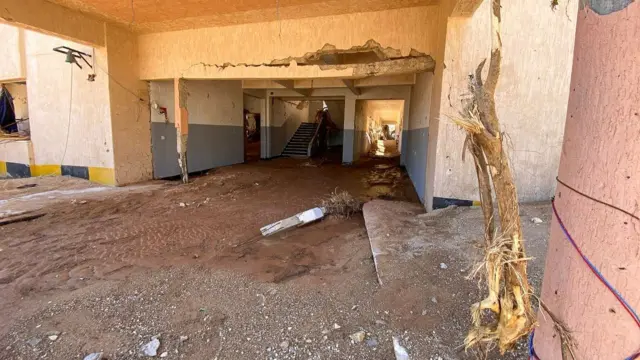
209 146
348 145
403 147
416 141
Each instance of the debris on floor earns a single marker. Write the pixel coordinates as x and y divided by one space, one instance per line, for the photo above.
342 204
399 350
299 219
151 348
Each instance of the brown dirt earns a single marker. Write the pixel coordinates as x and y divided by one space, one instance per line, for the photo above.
129 264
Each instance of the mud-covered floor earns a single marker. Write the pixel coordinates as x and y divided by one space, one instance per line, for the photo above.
110 268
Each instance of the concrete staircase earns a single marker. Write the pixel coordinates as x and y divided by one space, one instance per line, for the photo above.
298 146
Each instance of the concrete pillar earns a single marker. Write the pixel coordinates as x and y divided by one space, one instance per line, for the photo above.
600 157
265 128
349 133
182 125
404 144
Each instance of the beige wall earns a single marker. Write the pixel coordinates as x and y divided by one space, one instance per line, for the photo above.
252 103
12 59
195 53
56 113
129 108
531 96
15 152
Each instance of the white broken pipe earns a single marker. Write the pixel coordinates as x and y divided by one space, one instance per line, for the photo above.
300 219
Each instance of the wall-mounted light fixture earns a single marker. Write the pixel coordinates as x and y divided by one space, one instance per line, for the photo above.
73 55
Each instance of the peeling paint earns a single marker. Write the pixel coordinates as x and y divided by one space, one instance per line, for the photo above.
606 7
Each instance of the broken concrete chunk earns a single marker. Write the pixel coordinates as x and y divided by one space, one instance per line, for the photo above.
399 350
34 341
302 218
443 266
358 336
151 348
536 220
93 356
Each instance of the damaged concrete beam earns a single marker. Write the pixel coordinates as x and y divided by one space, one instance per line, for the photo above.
289 84
352 86
182 125
465 8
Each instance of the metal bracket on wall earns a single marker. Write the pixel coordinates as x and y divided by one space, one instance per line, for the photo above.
73 55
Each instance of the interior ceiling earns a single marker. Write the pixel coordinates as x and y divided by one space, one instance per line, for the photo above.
165 15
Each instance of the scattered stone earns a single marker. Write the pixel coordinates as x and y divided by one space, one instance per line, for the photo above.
284 345
183 204
424 312
434 300
164 354
536 220
354 307
93 356
381 322
336 326
151 348
34 341
372 342
183 338
325 332
308 341
53 337
399 350
443 266
358 336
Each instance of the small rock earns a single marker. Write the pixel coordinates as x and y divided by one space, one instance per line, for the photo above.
49 333
308 341
151 348
358 336
354 307
325 331
399 350
443 266
284 345
536 220
53 337
195 256
34 341
93 356
434 300
183 338
336 326
372 342
381 322
183 204
424 312
164 354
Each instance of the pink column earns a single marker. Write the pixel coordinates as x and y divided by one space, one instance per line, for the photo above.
600 157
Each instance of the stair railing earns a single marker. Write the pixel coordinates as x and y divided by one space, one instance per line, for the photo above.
318 136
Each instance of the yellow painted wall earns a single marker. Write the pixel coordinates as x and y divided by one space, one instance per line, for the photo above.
129 108
531 96
70 117
183 53
11 60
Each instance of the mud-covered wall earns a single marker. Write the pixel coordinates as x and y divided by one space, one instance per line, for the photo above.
215 126
600 157
128 100
415 134
531 96
203 53
12 53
